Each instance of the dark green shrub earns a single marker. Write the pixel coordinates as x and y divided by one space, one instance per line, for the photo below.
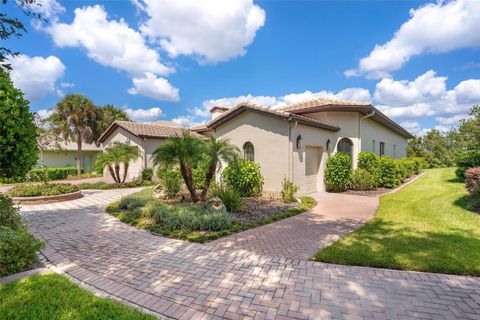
147 174
244 177
35 190
338 173
231 199
419 164
187 216
171 180
17 250
83 176
363 180
9 214
472 181
288 191
199 173
38 174
410 167
369 161
470 159
401 169
390 177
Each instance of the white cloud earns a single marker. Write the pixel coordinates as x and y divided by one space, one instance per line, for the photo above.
144 115
185 121
67 84
154 87
36 76
47 9
433 28
468 91
451 120
355 94
211 30
109 42
44 113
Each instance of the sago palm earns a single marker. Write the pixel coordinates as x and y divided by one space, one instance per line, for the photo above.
217 151
185 150
114 156
77 119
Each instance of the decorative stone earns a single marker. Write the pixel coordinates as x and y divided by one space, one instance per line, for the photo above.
159 192
216 204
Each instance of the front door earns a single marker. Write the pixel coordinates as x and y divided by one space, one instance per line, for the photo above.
313 155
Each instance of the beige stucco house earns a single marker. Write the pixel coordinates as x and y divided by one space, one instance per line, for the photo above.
295 141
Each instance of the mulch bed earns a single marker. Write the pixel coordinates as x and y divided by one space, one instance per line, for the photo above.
256 209
379 191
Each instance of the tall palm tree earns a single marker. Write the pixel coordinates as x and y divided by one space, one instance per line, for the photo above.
76 119
114 156
216 151
185 150
112 113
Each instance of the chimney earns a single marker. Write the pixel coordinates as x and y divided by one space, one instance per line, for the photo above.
217 110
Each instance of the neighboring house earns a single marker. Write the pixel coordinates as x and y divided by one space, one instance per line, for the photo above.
147 136
61 154
295 141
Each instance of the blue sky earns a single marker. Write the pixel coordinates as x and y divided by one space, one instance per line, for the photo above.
418 61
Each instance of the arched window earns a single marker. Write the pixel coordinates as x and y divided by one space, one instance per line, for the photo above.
345 145
248 151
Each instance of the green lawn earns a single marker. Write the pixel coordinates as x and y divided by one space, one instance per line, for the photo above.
54 297
423 227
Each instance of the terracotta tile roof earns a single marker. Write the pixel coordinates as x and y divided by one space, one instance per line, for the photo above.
200 128
49 142
147 130
322 102
241 107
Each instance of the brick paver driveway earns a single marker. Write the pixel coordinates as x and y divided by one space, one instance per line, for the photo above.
191 281
301 236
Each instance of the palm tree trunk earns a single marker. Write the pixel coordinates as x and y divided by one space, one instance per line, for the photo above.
117 173
79 154
187 177
125 171
112 173
208 178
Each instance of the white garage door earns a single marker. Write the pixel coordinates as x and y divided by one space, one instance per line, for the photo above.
313 155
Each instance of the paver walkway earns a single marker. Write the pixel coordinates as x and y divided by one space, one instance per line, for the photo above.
301 236
191 281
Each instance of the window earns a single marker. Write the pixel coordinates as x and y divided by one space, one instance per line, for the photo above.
373 146
382 148
248 151
345 145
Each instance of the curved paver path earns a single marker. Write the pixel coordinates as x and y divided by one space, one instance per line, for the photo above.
191 281
301 236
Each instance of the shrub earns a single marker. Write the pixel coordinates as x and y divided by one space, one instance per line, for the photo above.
470 159
410 166
244 177
107 186
363 180
9 214
199 173
419 164
83 176
35 190
231 199
147 174
186 216
17 250
288 191
389 173
338 173
171 180
52 173
472 181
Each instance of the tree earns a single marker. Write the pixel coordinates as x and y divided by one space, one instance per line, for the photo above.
216 151
114 157
111 114
13 27
185 150
469 129
18 133
76 119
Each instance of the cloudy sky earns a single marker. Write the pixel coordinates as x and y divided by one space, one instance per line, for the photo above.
418 61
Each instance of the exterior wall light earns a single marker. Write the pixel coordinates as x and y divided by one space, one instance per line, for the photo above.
299 142
328 144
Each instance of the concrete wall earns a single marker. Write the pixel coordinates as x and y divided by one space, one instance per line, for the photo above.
62 159
372 133
269 137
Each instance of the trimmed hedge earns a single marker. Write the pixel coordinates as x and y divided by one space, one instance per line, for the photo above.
472 181
363 180
35 190
52 173
338 173
469 159
243 176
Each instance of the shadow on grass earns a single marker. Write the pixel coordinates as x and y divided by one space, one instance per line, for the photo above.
468 203
383 244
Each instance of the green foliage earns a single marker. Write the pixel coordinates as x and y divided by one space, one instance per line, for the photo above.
288 190
9 214
390 177
187 216
107 186
18 133
51 173
363 180
472 181
469 159
198 174
338 173
113 157
35 190
87 175
110 113
418 164
244 177
370 162
231 199
171 181
147 174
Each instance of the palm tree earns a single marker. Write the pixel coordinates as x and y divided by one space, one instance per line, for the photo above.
185 150
112 113
76 119
217 151
114 156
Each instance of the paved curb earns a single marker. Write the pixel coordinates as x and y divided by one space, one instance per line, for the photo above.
24 274
47 199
